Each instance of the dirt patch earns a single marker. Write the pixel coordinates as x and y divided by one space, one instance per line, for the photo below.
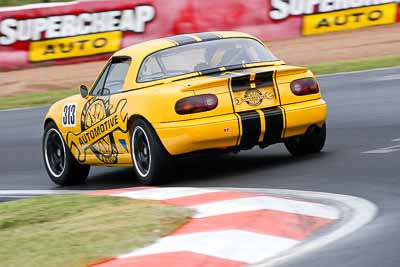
348 45
363 43
49 78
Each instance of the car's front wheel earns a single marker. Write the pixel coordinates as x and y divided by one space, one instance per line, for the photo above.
311 142
61 166
151 161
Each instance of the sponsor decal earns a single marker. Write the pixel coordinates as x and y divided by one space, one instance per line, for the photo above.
282 9
75 35
69 115
254 97
123 144
98 123
350 19
321 16
78 46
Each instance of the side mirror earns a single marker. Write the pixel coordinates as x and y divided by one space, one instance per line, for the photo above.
84 91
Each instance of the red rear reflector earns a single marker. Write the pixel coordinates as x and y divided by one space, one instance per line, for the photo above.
196 104
305 86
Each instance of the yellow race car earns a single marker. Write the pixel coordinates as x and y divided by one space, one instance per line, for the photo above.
211 91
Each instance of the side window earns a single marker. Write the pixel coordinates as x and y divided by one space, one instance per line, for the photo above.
98 88
113 77
149 70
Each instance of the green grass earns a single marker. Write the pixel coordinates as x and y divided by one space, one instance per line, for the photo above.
43 98
76 230
25 2
35 99
354 65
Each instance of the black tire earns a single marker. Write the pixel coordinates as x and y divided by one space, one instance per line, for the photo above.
61 166
151 162
312 142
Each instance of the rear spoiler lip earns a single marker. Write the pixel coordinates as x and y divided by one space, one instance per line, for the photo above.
292 70
221 80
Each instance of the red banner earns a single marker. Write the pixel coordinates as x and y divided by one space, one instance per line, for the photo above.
62 33
398 11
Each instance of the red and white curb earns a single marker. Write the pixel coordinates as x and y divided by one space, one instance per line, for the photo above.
238 227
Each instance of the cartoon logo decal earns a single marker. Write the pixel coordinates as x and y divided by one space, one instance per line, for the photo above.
69 115
98 124
254 97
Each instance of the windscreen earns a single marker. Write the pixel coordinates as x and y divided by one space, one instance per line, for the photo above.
202 56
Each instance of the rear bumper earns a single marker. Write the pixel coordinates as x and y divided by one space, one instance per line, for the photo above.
242 130
300 116
198 134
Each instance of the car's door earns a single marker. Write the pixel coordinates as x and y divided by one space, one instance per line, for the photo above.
104 112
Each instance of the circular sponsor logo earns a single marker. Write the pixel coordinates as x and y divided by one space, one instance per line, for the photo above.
254 97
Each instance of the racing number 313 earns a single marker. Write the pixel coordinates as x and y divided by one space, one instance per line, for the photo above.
69 115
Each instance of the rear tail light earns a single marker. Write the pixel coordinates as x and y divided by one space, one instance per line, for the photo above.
196 104
305 86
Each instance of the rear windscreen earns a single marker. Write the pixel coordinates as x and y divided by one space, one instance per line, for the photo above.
202 56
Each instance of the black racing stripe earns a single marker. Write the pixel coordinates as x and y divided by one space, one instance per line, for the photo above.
251 127
182 39
240 83
264 79
273 125
243 82
207 36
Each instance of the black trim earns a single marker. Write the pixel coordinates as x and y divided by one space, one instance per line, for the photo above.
219 71
273 126
182 39
210 71
251 128
207 36
234 67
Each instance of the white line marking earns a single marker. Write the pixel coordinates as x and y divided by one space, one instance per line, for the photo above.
266 203
384 150
24 108
234 245
387 78
41 192
358 72
165 193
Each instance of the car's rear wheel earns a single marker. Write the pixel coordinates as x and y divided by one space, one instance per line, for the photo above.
61 166
311 142
151 161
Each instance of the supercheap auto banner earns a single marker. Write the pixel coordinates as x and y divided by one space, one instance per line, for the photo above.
62 33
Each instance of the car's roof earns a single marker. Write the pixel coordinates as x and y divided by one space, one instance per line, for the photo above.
148 47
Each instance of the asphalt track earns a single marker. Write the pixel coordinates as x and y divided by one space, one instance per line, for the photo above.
363 116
